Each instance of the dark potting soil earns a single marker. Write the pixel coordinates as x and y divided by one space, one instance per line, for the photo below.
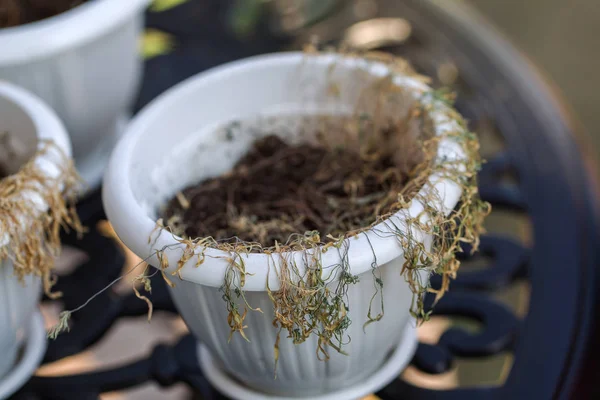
277 190
20 12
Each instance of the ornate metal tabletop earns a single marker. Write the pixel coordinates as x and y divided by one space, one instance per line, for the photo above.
527 304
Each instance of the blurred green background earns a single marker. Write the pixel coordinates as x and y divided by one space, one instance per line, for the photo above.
563 39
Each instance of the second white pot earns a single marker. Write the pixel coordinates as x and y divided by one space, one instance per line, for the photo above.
176 141
26 121
85 64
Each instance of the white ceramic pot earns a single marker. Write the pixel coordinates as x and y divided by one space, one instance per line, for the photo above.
175 142
26 120
85 64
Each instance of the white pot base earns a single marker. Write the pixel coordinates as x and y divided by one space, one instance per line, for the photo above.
390 370
92 168
29 359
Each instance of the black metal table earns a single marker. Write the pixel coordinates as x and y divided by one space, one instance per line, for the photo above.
541 172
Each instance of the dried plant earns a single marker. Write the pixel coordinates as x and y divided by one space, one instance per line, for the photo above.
34 207
307 303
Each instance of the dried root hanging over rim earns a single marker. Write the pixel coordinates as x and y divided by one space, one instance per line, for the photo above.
313 300
30 236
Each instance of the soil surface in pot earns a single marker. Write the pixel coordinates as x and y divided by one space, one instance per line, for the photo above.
277 190
20 12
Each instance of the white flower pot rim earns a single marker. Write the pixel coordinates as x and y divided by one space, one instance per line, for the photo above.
134 226
66 30
47 123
